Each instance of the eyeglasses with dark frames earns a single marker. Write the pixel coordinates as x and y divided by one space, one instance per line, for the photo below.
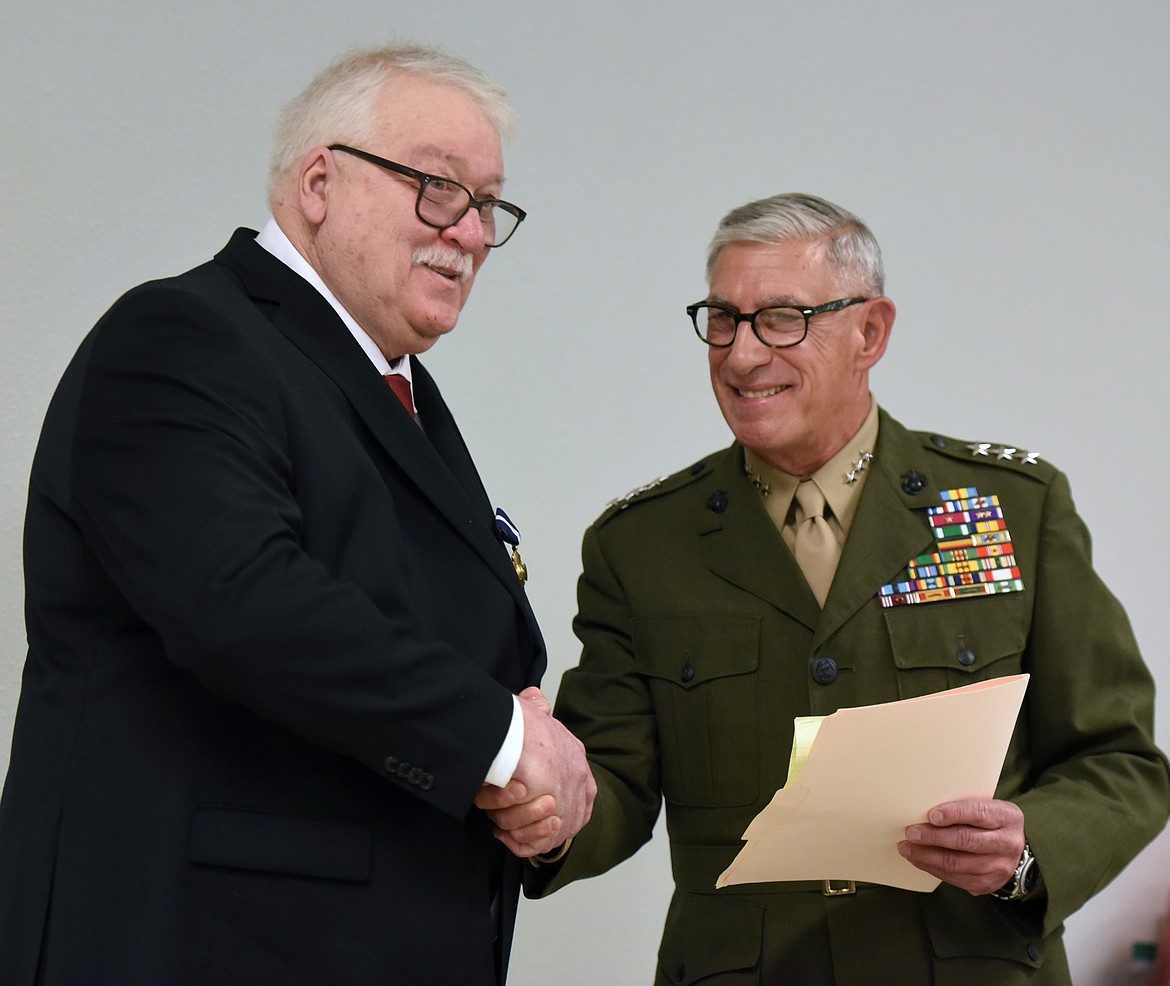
442 202
776 326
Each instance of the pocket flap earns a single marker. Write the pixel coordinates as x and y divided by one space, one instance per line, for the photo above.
965 927
297 845
956 635
692 650
706 935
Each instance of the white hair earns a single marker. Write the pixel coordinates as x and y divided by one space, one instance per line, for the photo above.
340 104
848 243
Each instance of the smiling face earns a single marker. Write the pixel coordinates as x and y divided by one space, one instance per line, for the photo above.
796 407
402 280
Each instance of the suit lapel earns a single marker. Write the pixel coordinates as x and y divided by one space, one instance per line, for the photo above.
449 480
889 529
447 442
444 437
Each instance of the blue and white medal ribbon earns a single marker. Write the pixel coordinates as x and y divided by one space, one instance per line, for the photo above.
509 533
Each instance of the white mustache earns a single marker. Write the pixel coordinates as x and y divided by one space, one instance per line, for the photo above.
452 261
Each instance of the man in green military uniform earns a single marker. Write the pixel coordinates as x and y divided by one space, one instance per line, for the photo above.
801 571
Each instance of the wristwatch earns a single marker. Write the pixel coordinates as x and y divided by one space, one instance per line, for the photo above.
553 856
1023 881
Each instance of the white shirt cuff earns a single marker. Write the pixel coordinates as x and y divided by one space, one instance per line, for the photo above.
504 766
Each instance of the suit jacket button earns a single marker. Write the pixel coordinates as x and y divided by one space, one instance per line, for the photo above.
687 674
824 670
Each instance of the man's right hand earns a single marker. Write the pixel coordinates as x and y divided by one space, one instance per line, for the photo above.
550 796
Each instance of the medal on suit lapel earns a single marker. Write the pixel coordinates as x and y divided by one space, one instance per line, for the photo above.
509 534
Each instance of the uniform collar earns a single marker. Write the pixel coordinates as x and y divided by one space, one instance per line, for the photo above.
841 479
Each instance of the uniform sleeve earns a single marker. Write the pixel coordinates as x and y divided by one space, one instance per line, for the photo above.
608 706
1099 790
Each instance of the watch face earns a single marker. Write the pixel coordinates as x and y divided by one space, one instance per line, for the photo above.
1030 877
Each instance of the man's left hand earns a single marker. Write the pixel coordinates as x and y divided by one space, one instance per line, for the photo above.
975 845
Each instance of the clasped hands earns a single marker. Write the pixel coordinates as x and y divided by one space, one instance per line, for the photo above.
974 845
550 796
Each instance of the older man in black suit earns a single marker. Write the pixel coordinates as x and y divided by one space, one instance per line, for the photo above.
276 645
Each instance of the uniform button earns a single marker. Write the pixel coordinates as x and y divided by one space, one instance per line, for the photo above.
687 674
415 776
717 502
965 657
938 441
427 782
913 482
390 764
698 467
1034 952
681 972
824 670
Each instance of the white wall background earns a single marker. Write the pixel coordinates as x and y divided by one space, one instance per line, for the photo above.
1013 159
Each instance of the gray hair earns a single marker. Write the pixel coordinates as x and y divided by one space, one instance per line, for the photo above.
848 243
340 104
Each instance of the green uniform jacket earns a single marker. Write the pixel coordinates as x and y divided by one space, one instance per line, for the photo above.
700 637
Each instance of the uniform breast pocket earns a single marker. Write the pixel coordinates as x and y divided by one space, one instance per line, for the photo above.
947 644
703 673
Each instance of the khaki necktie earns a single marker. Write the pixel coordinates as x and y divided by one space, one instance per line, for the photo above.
816 549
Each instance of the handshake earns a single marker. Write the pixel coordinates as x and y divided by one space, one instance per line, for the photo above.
550 796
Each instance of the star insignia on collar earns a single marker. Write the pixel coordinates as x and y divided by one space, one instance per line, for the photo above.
756 481
979 448
863 460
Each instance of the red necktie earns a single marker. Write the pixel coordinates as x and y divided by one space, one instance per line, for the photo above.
401 387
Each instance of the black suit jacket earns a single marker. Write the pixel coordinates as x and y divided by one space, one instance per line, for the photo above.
272 644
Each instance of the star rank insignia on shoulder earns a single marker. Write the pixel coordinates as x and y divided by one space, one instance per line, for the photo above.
1003 453
656 487
1022 460
624 501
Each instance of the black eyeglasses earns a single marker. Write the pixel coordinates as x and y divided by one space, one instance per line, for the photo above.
777 326
442 202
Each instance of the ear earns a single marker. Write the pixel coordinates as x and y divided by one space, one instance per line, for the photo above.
879 321
317 171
